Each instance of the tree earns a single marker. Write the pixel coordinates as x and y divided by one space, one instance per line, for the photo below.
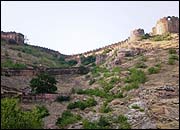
43 83
12 117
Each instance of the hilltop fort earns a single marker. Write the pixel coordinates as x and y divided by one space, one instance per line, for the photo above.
164 25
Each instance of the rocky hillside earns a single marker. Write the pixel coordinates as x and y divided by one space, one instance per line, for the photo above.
134 85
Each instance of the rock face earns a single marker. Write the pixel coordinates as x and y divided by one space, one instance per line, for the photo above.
13 37
166 24
136 34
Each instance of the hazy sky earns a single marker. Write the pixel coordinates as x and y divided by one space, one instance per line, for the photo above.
75 27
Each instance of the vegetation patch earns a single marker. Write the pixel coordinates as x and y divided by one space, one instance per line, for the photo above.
136 75
105 108
8 63
82 104
172 51
172 58
67 118
87 60
153 70
140 65
12 117
43 83
133 85
63 98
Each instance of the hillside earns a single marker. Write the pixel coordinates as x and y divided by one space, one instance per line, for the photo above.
134 84
29 56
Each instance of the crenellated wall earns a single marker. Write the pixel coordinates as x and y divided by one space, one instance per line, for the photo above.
12 37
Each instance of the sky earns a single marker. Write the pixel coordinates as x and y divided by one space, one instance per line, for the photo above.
74 27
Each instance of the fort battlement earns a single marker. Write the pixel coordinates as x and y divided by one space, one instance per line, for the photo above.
12 37
166 24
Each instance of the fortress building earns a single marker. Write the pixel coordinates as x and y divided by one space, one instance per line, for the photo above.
166 24
12 37
136 34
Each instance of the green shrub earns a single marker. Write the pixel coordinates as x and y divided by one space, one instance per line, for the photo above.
12 117
67 118
92 81
10 64
42 111
72 62
82 104
102 123
114 80
63 98
87 60
43 83
140 65
135 106
162 37
153 70
172 51
143 58
133 85
136 76
145 36
105 108
123 122
116 70
174 57
171 61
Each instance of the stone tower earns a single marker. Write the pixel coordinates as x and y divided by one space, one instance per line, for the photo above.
136 34
166 24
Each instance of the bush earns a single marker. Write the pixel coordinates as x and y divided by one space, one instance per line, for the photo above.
43 83
123 122
174 57
72 62
105 108
140 65
12 117
172 51
10 64
162 37
87 60
83 70
135 106
116 70
171 61
102 123
63 98
136 76
153 70
145 36
42 111
67 118
131 86
82 104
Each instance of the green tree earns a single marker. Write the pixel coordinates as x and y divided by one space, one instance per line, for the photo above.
43 83
12 117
